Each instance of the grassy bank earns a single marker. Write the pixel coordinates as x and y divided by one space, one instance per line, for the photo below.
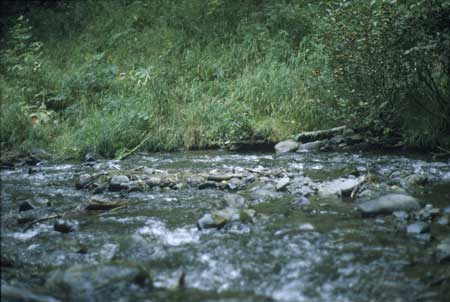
108 76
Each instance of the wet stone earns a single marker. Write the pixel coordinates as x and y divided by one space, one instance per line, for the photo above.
401 215
281 184
442 251
286 146
84 181
388 204
65 226
418 228
90 282
26 206
119 183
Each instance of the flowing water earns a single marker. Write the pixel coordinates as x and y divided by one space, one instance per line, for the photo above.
321 251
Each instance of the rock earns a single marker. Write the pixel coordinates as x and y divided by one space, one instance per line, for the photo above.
65 226
219 177
418 227
301 201
218 219
442 252
118 183
84 181
286 146
235 184
153 181
427 213
306 137
94 282
26 206
401 215
207 185
13 293
443 221
446 210
414 180
42 201
90 157
282 183
40 154
235 201
208 221
337 140
312 146
388 204
355 138
341 187
148 171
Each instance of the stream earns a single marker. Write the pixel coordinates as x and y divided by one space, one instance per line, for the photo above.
290 233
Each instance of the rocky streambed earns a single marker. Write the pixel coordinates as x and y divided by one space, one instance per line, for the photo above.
221 226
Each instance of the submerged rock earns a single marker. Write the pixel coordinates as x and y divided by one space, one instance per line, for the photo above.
218 219
286 146
65 226
26 206
340 186
89 282
388 204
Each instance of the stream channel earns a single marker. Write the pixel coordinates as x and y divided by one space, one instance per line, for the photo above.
220 226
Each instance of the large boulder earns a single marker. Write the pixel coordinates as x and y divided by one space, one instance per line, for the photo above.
286 146
388 204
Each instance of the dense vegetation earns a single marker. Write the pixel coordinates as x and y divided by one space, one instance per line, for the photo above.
107 76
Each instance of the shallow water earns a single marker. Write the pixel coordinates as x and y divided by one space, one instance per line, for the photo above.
323 251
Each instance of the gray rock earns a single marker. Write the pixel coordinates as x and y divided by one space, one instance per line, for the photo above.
218 219
442 251
40 153
282 183
312 146
388 204
286 146
235 201
414 180
90 157
207 221
13 293
446 210
428 213
340 186
443 220
418 227
92 282
65 226
338 139
401 215
84 181
26 206
118 183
